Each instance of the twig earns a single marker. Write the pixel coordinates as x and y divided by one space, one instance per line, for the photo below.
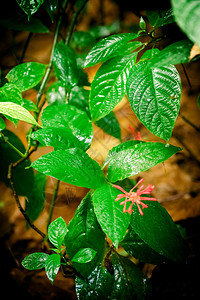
25 47
189 122
55 193
186 75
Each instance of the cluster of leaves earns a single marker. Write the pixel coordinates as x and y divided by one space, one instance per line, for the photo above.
153 87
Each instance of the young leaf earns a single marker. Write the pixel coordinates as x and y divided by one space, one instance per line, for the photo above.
52 266
154 96
84 255
29 105
81 235
160 17
109 85
18 112
35 261
51 6
30 7
111 46
27 75
109 124
157 229
10 93
56 232
186 13
73 166
71 118
109 213
138 158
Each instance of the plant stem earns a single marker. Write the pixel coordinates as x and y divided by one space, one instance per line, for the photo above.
25 47
11 145
189 122
55 193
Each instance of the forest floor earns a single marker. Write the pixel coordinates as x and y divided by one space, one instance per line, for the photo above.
177 188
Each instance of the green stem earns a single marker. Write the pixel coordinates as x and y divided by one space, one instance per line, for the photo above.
11 145
55 193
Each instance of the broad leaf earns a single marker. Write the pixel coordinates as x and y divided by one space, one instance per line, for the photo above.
22 178
71 118
52 266
30 7
73 166
109 124
111 46
10 93
56 232
2 124
18 112
160 17
186 13
79 97
173 54
138 158
56 93
109 213
109 85
26 75
83 231
35 261
157 229
84 255
154 96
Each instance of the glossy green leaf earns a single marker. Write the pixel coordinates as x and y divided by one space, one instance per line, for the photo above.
73 166
29 105
109 124
51 6
79 97
111 46
35 261
65 66
2 124
52 266
160 17
30 7
10 93
56 93
154 96
27 75
59 138
109 213
18 112
157 229
138 158
186 13
71 118
173 54
84 255
22 178
84 231
109 85
56 232
36 199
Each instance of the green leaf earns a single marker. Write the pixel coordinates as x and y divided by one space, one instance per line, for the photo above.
27 75
84 255
35 261
30 7
173 54
52 266
109 124
36 199
10 93
56 232
109 213
59 138
109 85
22 178
65 66
51 6
142 23
186 13
138 158
29 105
18 112
111 46
71 118
2 124
157 229
73 166
84 231
79 97
160 17
56 93
154 96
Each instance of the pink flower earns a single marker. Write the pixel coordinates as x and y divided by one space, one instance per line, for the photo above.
135 197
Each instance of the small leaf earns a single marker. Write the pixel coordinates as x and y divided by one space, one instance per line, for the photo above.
56 232
138 158
29 105
111 46
51 6
52 266
84 255
17 112
30 7
160 17
35 261
27 75
142 23
109 213
73 166
2 124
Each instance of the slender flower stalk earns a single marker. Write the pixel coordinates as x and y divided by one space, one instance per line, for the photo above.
135 197
137 135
